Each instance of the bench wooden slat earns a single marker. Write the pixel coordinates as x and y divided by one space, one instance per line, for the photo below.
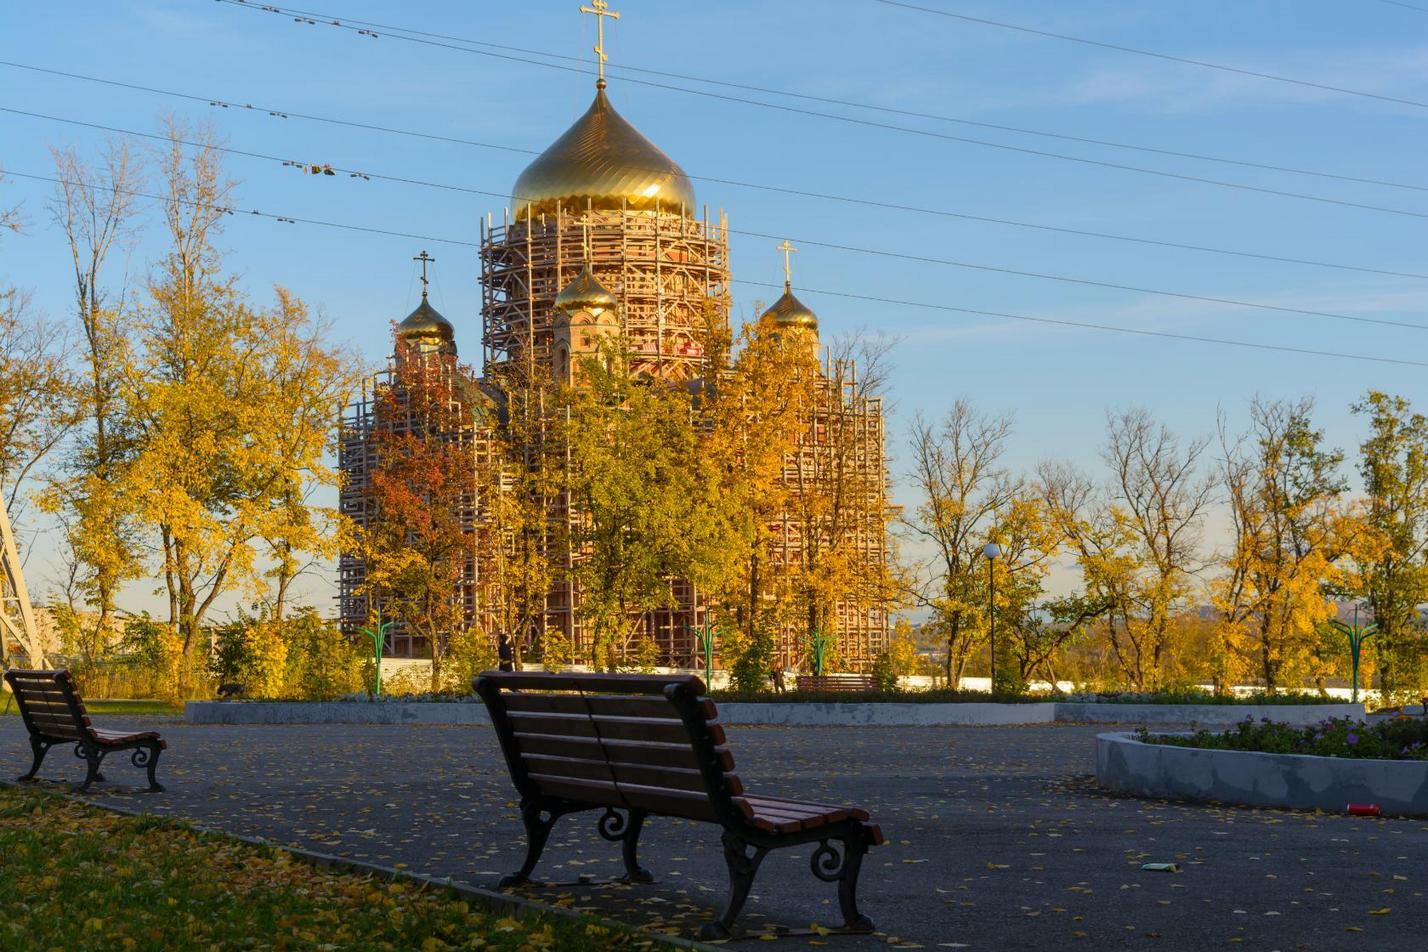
780 803
614 728
632 752
595 683
602 792
604 704
674 778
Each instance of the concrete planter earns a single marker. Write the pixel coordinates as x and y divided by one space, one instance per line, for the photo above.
334 712
1201 715
1247 778
793 714
834 714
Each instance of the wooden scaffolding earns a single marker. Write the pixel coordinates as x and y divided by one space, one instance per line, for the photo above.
669 273
384 406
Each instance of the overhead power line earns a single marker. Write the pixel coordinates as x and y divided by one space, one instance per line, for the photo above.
801 193
306 165
867 123
336 20
1169 57
1142 332
1086 325
253 212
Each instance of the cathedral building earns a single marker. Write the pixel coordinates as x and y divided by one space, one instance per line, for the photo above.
604 240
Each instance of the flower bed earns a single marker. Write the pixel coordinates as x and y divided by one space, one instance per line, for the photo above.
1402 738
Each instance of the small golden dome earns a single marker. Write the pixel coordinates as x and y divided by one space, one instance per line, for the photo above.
605 160
789 311
426 326
585 293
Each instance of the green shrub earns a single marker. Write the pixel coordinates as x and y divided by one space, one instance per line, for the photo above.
1402 738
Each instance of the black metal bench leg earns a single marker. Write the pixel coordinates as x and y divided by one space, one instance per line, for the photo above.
854 848
634 872
148 756
92 759
538 824
39 750
742 869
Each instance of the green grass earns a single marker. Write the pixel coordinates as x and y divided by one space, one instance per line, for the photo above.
81 879
104 707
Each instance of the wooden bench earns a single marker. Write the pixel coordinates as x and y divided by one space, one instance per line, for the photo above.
836 682
54 713
649 745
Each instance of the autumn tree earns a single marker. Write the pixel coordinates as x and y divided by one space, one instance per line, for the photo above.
647 511
518 490
1137 540
1393 462
230 405
36 388
760 410
839 501
94 207
307 380
419 542
964 491
1030 627
1283 490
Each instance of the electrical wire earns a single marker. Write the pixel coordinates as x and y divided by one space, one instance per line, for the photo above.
620 68
1086 325
1239 71
811 242
1142 332
801 193
869 123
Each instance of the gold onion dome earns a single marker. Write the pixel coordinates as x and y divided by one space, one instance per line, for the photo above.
585 293
426 325
604 160
789 311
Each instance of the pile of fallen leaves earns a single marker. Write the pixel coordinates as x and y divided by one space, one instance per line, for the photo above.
1402 738
79 878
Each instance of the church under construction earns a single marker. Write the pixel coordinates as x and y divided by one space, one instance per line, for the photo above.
605 241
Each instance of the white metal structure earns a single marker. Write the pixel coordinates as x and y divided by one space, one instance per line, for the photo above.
17 615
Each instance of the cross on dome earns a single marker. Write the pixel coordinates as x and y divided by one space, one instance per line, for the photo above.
787 248
600 9
425 259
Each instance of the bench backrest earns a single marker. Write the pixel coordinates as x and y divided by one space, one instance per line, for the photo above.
836 682
49 704
642 742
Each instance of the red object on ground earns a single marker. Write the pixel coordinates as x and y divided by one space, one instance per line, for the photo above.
1363 809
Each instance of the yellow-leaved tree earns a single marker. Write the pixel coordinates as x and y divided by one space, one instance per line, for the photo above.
1137 540
1284 492
231 407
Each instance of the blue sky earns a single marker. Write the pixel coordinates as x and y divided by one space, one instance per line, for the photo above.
1058 381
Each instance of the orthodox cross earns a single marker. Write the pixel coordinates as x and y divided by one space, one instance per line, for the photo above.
787 250
601 10
425 260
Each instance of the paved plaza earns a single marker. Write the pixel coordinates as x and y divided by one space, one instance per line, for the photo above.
998 837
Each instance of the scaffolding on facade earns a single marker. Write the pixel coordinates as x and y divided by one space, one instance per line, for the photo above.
385 408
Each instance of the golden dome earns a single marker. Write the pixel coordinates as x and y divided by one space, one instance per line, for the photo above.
603 159
585 293
789 311
426 326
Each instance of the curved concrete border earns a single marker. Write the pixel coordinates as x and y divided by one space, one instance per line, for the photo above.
1248 778
1208 715
811 714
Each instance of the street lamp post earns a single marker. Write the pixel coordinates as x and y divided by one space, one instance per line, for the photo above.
992 552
